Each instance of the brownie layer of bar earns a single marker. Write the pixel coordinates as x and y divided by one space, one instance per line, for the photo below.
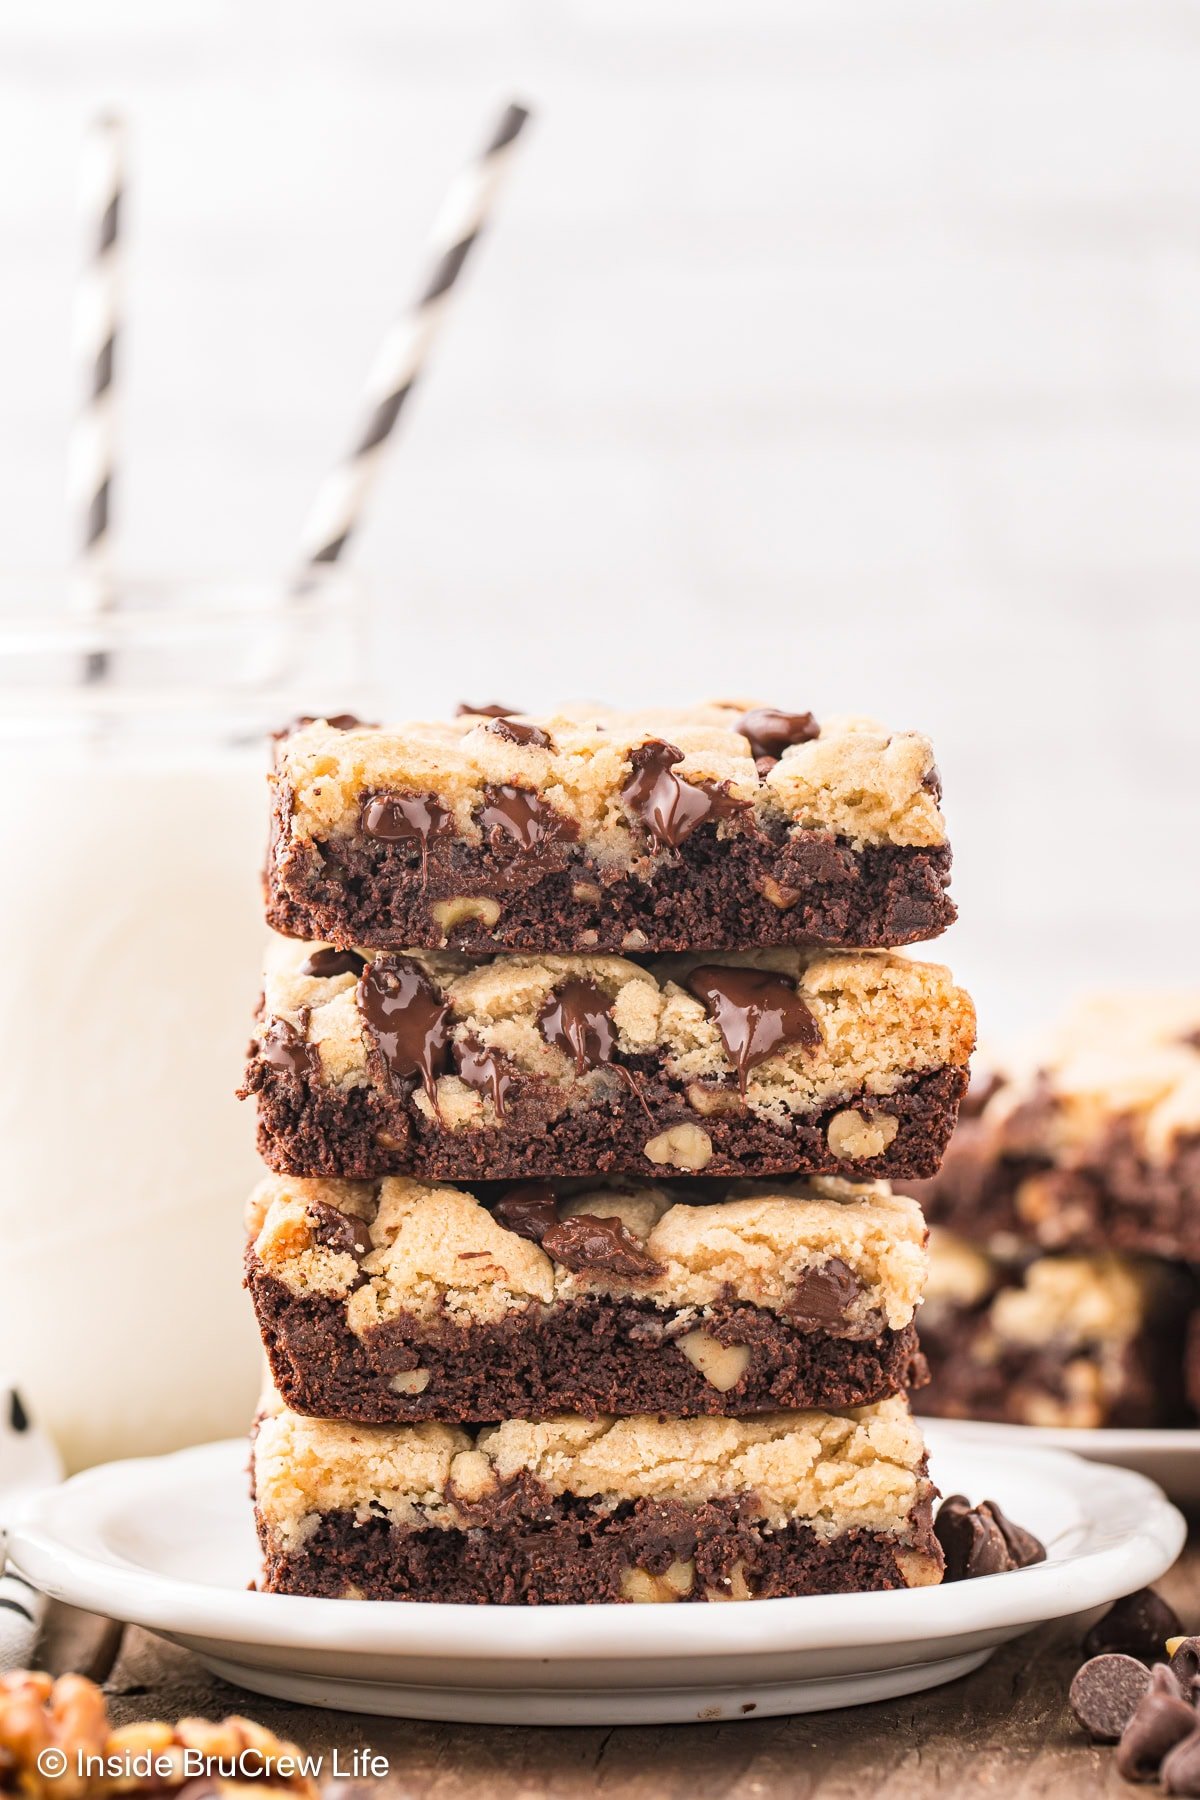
568 1512
782 1062
589 1356
615 832
1054 1340
1092 1145
403 1301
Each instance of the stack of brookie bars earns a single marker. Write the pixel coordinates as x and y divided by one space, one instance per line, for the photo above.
1067 1215
582 1070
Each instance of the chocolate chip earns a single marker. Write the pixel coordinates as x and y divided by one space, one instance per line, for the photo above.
340 722
755 1012
492 711
931 781
479 1066
329 962
820 1299
518 733
529 1210
1162 1719
979 1540
577 1019
1106 1693
284 1047
18 1417
1180 1770
406 818
520 816
587 1242
407 1018
1139 1625
1185 1662
335 1230
770 732
670 807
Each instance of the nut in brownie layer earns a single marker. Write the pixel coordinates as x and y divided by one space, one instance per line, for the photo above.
757 1063
572 1510
717 828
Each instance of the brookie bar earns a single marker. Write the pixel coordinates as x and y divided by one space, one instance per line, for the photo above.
1091 1144
574 1510
1059 1340
723 826
399 1300
753 1063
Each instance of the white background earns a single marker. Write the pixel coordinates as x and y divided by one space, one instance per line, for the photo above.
843 355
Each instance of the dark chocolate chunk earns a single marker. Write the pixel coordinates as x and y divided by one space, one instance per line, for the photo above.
1179 1772
1139 1625
327 962
1106 1693
493 710
756 1013
479 1066
284 1047
335 1230
587 1242
402 818
518 733
820 1298
1185 1663
577 1019
407 1017
340 722
770 732
1162 1719
529 1210
931 781
670 807
979 1540
522 817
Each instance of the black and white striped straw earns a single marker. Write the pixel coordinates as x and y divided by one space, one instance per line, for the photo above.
97 313
397 367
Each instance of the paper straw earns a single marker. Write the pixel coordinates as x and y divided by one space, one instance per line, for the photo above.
340 500
95 336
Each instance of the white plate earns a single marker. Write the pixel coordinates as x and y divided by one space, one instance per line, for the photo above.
168 1543
1169 1456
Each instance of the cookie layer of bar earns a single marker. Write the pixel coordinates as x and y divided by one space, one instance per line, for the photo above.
575 1065
400 1300
1089 1141
584 1511
1058 1340
716 827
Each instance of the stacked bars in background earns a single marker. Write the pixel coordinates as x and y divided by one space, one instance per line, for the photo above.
1067 1227
578 1272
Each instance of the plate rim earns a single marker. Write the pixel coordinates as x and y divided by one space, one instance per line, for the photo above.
50 1544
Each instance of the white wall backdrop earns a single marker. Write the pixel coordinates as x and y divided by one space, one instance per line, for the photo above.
846 355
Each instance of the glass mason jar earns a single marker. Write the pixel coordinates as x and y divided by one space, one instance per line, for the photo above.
134 748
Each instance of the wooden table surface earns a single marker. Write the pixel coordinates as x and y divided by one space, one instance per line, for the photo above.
1005 1730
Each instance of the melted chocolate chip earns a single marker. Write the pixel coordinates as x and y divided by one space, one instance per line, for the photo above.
577 1019
979 1540
1106 1693
821 1298
1163 1719
339 721
755 1012
770 732
587 1242
335 1230
518 733
479 1066
492 711
408 1018
670 807
284 1047
523 818
329 962
1137 1625
399 818
529 1210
